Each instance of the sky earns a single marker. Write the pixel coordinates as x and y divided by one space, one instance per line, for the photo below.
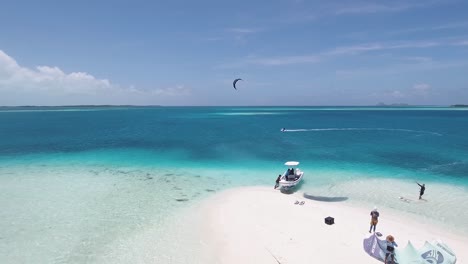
288 52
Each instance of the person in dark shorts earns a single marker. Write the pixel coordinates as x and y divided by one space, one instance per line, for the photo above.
390 250
374 219
421 191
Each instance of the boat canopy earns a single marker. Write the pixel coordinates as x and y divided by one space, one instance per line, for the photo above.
292 163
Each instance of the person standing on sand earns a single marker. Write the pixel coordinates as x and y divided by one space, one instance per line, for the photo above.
277 181
374 219
421 191
390 250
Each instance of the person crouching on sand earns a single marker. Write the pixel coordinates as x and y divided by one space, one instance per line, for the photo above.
390 250
277 181
374 219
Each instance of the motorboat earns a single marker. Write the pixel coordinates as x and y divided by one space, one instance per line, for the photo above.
292 176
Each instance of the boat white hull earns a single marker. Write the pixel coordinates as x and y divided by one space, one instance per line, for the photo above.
283 183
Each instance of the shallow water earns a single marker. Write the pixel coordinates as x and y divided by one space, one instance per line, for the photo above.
107 186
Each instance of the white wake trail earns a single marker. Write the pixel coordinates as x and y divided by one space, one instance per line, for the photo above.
361 129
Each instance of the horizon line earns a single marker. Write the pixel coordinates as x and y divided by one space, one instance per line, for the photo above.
120 105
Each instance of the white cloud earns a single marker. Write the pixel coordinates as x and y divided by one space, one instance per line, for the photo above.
415 92
452 25
419 59
414 44
244 30
53 79
391 6
370 8
179 90
422 87
356 49
212 39
45 85
338 51
284 60
241 35
302 17
396 94
409 65
428 28
350 50
461 43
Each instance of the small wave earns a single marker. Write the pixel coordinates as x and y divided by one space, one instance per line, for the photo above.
247 113
456 169
450 164
361 129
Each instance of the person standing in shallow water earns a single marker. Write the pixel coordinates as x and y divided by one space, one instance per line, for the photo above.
374 219
421 191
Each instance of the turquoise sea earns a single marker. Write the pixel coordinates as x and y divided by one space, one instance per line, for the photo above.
104 184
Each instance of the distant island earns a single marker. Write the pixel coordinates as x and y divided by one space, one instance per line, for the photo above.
76 106
459 105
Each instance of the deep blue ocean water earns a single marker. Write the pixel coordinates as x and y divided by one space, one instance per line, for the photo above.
84 184
427 142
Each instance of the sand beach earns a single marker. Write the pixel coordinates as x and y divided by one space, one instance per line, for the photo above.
261 225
